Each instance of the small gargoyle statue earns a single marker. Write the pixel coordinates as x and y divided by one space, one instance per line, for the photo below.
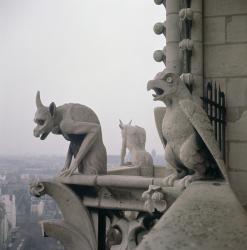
134 139
185 132
78 124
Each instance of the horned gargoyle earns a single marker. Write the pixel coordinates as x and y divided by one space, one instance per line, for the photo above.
186 132
78 124
134 139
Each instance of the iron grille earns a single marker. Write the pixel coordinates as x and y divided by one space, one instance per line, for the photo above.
214 105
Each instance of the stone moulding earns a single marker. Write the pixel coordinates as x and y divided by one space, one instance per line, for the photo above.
76 218
79 195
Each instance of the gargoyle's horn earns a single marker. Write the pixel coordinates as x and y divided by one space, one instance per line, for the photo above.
38 101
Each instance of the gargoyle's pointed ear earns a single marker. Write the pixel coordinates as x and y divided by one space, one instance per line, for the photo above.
129 123
121 125
38 101
52 109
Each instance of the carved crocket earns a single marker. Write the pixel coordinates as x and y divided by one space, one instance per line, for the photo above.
78 124
186 132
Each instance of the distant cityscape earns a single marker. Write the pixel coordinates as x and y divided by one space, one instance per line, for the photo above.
19 211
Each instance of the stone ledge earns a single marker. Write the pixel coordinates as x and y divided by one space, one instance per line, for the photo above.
206 216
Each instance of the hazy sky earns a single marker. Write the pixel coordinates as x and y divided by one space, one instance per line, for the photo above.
94 52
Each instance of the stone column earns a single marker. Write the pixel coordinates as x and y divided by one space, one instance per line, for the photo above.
197 54
173 53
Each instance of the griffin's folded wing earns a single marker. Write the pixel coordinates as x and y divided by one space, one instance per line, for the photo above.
201 123
159 113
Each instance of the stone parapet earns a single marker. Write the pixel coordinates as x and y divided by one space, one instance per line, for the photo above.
206 216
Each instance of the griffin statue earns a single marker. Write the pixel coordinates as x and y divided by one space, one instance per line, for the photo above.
185 132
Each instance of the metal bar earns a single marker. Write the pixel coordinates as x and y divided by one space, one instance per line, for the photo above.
101 229
223 125
215 112
214 105
206 106
210 96
220 116
203 95
188 3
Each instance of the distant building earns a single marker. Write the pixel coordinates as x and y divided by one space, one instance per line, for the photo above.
38 209
10 207
4 227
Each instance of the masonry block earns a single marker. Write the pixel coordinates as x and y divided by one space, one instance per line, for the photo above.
238 156
237 92
225 7
236 27
226 60
214 30
236 131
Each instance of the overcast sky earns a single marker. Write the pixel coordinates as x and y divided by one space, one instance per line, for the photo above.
94 52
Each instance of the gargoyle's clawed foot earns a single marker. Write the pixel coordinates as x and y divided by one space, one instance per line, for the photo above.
67 172
169 180
187 180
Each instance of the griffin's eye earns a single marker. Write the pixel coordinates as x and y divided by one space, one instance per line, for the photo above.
169 79
40 122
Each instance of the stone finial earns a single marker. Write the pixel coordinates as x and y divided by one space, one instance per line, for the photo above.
160 28
160 55
186 44
186 14
159 2
37 189
154 199
187 78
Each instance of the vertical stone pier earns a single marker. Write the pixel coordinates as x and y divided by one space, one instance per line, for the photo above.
225 61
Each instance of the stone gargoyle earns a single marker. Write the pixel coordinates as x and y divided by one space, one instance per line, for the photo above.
186 133
134 139
78 124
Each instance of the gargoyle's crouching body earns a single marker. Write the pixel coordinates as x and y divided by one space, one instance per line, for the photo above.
80 125
186 132
94 161
134 139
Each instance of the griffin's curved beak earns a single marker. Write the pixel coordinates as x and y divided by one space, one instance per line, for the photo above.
150 84
157 86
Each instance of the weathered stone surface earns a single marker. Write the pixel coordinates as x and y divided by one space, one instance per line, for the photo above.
234 113
224 7
237 156
214 220
226 60
236 27
237 92
238 183
214 30
196 32
238 130
197 54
